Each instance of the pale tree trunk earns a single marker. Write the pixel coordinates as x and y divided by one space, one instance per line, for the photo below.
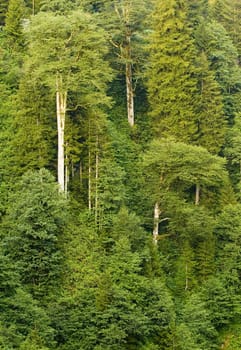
96 181
129 84
156 222
130 95
197 194
66 175
89 184
124 16
61 99
186 276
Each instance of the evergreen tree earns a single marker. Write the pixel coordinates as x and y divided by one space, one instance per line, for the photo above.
21 317
212 38
14 25
3 10
211 121
33 227
171 85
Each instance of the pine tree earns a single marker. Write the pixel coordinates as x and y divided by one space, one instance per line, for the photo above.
171 85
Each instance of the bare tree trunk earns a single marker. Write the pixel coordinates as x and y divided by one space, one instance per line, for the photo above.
66 175
186 276
89 184
197 194
156 222
61 99
129 84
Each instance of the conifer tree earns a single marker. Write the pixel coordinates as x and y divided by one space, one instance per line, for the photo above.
14 24
171 84
211 119
33 228
213 39
228 13
3 10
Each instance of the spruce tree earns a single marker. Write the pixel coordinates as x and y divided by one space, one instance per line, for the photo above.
34 227
14 25
213 39
171 85
210 110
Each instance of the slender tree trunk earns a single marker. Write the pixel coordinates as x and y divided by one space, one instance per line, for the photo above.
61 99
197 194
129 84
66 175
186 276
156 222
96 180
89 184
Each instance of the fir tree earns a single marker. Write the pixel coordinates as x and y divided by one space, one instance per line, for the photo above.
171 85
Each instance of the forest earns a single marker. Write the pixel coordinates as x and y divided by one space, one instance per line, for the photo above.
120 174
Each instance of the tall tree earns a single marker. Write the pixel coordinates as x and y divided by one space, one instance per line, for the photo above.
68 56
228 13
125 30
14 24
33 227
213 39
171 84
175 168
3 10
210 110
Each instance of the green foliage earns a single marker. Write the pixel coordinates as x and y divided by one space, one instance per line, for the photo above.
222 55
171 165
84 273
63 49
171 85
20 314
3 10
33 228
14 25
211 121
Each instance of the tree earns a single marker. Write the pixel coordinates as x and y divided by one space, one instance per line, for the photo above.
14 25
175 168
211 120
61 53
17 305
33 226
228 14
171 85
125 32
107 302
3 10
213 39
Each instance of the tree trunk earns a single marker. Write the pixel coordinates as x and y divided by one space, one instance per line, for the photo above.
130 95
186 276
129 84
156 222
96 181
61 98
89 184
197 194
